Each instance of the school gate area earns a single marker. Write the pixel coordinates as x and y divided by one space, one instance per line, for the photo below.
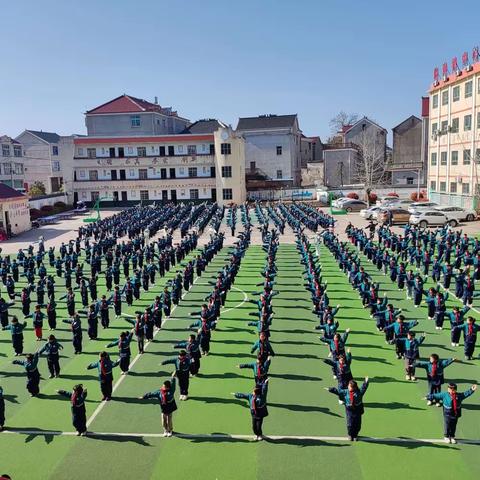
305 426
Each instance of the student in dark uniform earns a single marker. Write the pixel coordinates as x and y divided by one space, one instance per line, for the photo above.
16 329
182 372
435 368
123 350
257 401
352 397
33 376
77 400
2 410
452 408
105 376
52 349
166 398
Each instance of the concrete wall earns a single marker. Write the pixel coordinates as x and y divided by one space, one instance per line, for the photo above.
39 202
339 166
18 214
151 123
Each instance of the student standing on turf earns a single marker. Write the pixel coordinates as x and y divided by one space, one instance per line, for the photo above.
257 401
352 397
166 397
77 400
16 329
52 349
105 375
182 372
411 349
469 329
123 350
33 376
192 347
452 408
2 410
435 368
77 334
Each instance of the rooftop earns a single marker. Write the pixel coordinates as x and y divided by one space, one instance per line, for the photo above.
266 121
7 192
49 137
207 125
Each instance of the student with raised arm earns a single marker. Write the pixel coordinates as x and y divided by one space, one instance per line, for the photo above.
105 376
411 351
16 329
452 408
342 370
52 349
257 401
124 352
469 329
259 369
166 398
182 372
263 346
77 400
352 397
31 369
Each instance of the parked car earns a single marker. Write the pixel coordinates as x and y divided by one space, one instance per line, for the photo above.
458 213
370 213
354 205
427 218
339 201
397 215
422 206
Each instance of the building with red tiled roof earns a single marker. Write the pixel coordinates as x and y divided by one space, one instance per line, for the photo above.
14 211
131 116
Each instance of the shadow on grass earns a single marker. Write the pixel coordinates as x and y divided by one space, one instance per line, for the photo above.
404 443
119 439
293 376
304 442
392 406
304 408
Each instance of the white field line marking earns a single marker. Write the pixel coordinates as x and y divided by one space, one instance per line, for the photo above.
134 361
245 298
242 437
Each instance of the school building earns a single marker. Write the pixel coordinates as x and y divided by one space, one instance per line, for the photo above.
137 150
454 143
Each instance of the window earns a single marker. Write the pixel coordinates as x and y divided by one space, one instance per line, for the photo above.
477 155
17 151
453 187
143 194
142 173
7 167
55 166
91 152
5 150
181 170
279 149
212 149
194 194
180 149
192 172
81 173
454 158
468 89
433 159
445 97
443 186
141 151
465 188
455 125
478 87
435 101
93 175
409 180
130 150
192 149
227 172
456 93
467 123
225 149
161 151
163 173
466 157
444 128
171 150
94 196
478 120
80 152
227 194
135 120
54 150
279 174
434 128
433 185
443 158
18 169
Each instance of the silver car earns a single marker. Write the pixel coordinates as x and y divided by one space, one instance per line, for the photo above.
422 206
458 213
429 218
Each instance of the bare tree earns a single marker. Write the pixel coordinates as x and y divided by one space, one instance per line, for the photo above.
342 119
371 165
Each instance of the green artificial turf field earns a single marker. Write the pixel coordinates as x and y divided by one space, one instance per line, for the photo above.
298 404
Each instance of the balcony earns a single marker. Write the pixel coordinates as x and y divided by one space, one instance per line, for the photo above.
148 161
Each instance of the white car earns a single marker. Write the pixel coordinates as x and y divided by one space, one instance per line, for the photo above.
458 213
422 206
370 213
339 201
427 218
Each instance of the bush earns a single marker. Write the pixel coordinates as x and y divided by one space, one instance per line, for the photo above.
60 205
419 198
352 195
392 194
35 213
372 198
47 209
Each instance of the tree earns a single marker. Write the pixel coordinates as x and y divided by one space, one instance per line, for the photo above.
371 163
342 119
37 189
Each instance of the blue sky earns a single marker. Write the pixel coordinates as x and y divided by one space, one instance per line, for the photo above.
225 59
